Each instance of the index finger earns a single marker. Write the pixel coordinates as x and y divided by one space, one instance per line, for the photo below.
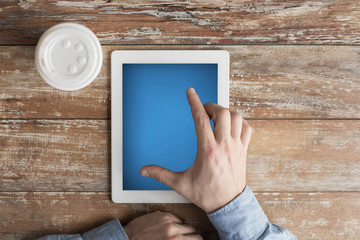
201 118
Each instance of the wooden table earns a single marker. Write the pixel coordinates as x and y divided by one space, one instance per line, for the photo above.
295 75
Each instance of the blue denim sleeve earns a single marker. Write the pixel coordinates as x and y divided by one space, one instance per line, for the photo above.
109 231
243 218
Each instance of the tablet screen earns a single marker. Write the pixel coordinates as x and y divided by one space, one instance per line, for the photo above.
157 123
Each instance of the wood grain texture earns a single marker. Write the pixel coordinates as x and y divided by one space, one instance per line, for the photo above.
188 22
265 82
67 155
24 94
32 215
308 215
74 155
55 145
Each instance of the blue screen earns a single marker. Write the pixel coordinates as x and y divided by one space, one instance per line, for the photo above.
157 123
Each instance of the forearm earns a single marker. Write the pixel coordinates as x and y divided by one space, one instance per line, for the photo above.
109 231
243 218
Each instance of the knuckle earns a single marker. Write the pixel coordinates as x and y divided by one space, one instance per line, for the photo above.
211 152
225 142
157 176
161 215
168 216
227 146
169 228
164 217
224 112
237 117
202 119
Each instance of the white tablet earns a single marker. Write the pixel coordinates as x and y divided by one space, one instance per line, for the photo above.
151 119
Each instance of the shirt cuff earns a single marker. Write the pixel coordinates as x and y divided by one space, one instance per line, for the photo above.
110 231
242 218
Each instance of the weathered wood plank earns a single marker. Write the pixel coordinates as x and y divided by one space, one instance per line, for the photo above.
55 155
295 82
23 93
266 82
74 155
188 22
32 215
326 215
304 156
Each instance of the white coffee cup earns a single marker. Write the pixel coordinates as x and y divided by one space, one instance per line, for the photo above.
68 56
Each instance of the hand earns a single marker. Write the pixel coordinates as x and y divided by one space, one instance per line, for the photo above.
159 225
218 174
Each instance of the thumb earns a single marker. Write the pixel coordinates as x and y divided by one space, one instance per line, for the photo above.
160 174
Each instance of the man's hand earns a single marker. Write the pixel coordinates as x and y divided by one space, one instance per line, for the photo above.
218 174
159 225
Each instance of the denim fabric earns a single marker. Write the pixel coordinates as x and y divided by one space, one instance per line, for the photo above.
109 231
243 218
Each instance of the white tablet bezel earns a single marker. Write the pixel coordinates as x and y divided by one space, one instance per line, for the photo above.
153 56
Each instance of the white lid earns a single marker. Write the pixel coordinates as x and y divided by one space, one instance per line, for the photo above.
68 56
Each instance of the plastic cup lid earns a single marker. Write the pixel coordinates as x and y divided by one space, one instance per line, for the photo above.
68 56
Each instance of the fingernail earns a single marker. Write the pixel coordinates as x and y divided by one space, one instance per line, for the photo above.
192 90
145 173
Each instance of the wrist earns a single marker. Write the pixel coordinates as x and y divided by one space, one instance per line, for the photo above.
220 203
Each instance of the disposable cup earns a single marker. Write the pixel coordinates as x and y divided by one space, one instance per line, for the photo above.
68 56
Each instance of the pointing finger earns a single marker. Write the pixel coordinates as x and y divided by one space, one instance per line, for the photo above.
201 118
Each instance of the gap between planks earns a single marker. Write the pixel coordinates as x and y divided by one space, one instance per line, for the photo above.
61 155
205 45
106 119
256 192
266 82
